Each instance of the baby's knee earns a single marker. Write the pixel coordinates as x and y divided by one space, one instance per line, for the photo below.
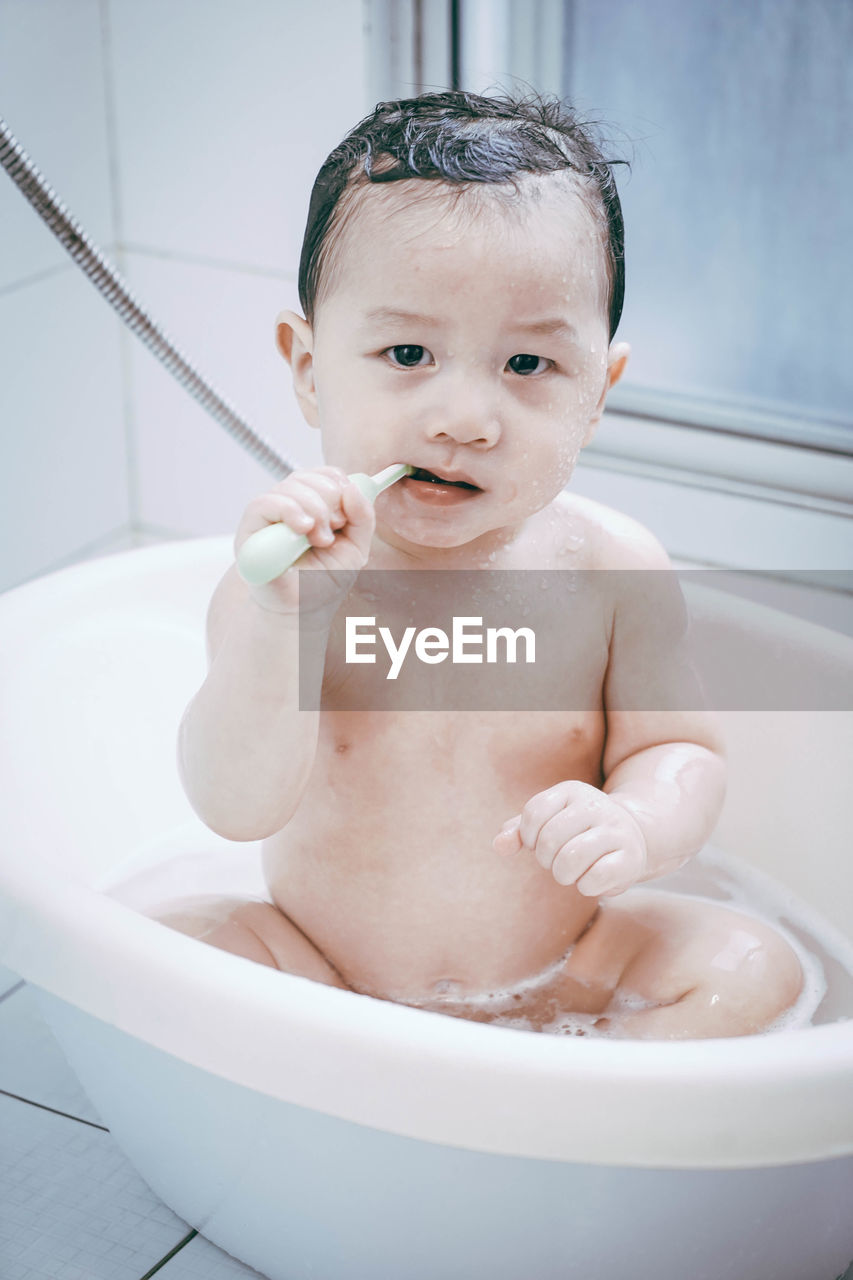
783 970
756 977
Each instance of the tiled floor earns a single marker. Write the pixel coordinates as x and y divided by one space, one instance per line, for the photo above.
71 1206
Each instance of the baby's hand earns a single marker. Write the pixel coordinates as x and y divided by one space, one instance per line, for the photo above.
582 836
335 517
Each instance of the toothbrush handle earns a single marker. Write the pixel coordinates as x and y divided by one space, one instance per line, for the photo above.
269 552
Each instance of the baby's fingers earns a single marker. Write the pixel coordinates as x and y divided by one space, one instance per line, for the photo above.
578 855
540 809
574 829
319 496
296 502
611 875
508 840
359 515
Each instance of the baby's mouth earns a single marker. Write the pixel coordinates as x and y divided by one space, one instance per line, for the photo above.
430 477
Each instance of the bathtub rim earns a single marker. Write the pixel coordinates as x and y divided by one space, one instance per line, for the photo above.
745 1102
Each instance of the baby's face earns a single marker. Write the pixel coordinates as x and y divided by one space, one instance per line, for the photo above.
467 339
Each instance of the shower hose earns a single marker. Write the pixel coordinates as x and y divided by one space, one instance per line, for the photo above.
109 282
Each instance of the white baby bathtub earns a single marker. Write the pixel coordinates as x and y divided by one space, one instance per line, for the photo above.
318 1133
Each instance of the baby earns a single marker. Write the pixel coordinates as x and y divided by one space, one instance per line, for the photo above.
462 281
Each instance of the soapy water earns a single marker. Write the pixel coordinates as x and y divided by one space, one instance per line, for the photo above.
531 1006
193 863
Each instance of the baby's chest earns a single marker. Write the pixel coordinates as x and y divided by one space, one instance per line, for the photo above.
487 756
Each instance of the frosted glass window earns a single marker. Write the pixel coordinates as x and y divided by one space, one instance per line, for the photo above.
739 206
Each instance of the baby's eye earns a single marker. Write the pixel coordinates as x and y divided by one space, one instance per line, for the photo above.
408 356
528 364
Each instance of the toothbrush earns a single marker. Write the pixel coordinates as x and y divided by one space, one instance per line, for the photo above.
271 551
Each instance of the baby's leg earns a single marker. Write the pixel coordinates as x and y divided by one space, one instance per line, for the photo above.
705 971
256 930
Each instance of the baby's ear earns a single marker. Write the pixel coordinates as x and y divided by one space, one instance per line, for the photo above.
617 358
295 340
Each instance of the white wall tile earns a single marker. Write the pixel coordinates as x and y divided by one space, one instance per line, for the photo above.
192 477
51 74
63 483
249 99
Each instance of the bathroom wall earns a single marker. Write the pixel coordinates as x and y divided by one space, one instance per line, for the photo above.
63 479
184 137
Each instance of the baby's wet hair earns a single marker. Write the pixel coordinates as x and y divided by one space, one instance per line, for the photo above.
462 138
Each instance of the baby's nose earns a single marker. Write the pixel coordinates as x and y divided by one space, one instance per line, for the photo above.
466 418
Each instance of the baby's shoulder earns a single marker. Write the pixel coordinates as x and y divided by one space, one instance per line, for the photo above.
610 539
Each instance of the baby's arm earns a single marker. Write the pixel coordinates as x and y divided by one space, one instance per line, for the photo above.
663 765
245 747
